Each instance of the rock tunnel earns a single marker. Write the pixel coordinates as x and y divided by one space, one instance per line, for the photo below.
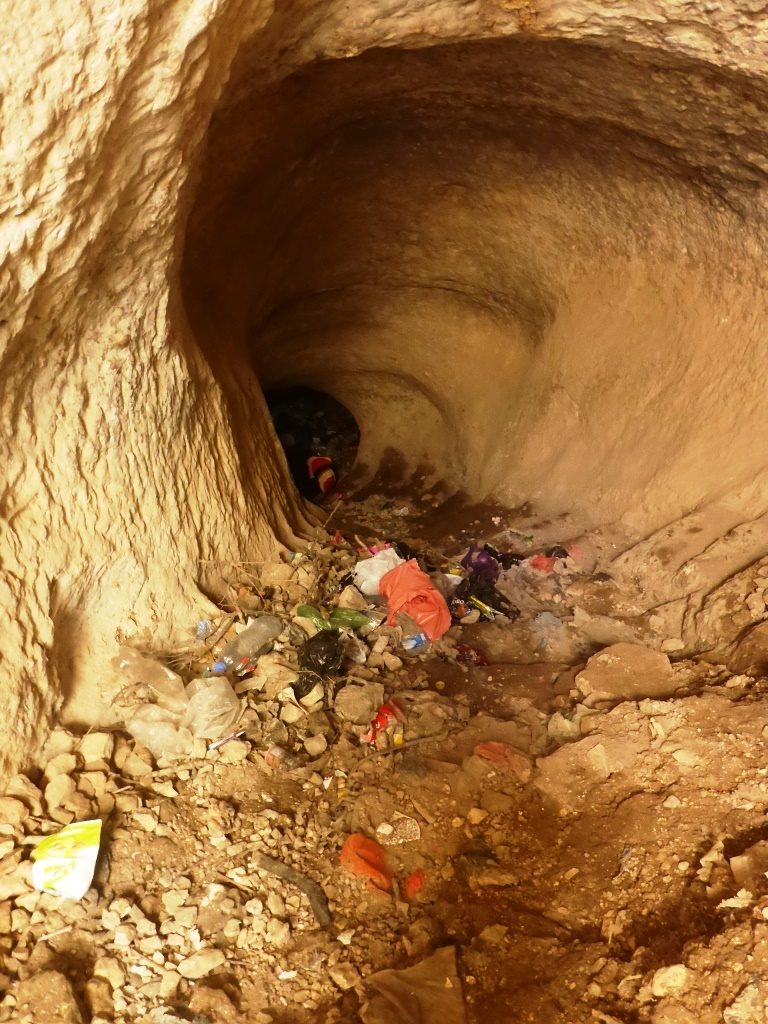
495 252
522 243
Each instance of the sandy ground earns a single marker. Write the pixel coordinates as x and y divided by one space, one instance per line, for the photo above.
609 868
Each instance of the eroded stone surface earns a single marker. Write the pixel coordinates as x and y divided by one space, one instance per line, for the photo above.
457 279
626 672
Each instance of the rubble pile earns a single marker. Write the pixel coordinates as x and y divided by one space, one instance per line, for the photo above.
309 808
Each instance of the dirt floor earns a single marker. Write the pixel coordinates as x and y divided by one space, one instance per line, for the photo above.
573 828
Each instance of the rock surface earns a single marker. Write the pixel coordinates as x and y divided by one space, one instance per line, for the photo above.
112 389
626 672
47 998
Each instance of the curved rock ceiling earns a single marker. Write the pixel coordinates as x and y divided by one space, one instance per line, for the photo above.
528 268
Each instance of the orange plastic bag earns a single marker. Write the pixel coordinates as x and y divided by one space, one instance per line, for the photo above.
408 589
362 856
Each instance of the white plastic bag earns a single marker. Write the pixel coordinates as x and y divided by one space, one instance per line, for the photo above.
369 572
177 715
213 707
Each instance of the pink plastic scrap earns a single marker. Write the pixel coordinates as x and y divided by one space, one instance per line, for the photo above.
409 590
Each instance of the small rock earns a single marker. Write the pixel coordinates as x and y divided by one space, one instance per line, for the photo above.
494 933
169 983
16 881
135 766
96 750
173 899
60 789
80 805
12 811
186 917
747 1008
201 963
109 919
670 980
98 997
749 868
493 876
22 789
686 758
62 764
626 672
344 975
234 752
121 906
277 933
60 741
562 729
402 830
359 704
350 597
476 815
124 935
145 820
290 714
47 998
315 745
315 695
276 904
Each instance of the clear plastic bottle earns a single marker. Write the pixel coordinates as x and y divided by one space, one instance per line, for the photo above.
241 654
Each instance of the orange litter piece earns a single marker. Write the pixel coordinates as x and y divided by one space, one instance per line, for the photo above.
413 884
364 857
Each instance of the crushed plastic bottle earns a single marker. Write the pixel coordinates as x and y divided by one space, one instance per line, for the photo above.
414 641
241 654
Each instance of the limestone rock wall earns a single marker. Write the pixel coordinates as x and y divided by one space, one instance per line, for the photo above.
124 461
428 208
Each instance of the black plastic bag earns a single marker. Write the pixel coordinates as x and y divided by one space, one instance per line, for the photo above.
319 657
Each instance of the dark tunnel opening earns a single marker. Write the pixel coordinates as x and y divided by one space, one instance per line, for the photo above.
319 435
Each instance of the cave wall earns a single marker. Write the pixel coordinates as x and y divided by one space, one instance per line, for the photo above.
125 466
139 451
531 268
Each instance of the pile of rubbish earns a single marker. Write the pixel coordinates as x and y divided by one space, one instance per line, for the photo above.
303 667
311 677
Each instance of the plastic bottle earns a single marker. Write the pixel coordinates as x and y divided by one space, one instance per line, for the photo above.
414 641
241 654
